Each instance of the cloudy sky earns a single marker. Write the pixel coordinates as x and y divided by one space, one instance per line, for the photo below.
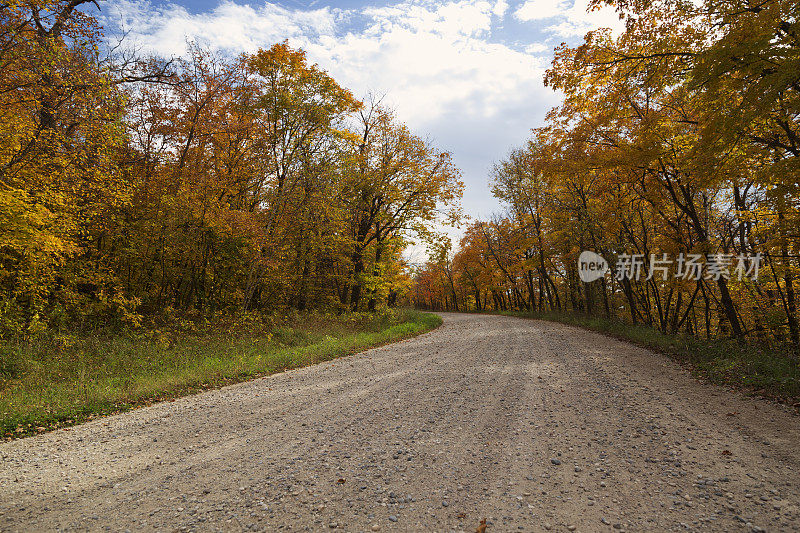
467 74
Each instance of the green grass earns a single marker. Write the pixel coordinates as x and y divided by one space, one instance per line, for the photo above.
773 372
60 380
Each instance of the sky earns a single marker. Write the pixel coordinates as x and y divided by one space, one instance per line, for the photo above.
466 74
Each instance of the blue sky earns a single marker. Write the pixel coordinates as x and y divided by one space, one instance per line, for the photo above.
465 73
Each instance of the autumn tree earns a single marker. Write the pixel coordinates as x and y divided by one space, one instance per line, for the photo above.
675 138
399 184
60 190
208 183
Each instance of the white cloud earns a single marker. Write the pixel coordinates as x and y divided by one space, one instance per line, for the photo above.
164 29
537 48
576 19
540 9
500 8
439 65
428 58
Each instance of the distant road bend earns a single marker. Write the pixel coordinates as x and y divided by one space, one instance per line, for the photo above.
532 425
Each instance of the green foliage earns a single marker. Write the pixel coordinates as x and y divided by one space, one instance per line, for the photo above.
57 380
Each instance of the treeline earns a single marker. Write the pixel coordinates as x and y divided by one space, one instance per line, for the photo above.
130 185
681 136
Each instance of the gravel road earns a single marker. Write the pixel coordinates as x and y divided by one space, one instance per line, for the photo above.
532 425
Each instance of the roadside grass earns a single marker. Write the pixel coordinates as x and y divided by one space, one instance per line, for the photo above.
61 380
770 370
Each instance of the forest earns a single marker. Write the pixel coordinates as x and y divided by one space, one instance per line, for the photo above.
135 186
173 224
212 317
678 138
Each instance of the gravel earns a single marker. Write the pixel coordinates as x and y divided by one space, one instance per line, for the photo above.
431 433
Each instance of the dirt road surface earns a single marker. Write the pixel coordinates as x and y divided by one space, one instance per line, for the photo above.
532 425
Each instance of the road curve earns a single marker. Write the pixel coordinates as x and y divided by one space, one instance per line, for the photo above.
532 425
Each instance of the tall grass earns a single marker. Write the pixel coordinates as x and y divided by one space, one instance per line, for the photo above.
772 371
57 380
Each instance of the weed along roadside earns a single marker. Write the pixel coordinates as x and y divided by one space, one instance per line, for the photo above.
53 382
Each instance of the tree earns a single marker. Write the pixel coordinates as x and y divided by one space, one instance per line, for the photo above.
400 184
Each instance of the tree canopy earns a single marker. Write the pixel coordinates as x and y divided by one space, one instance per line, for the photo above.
676 139
132 186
